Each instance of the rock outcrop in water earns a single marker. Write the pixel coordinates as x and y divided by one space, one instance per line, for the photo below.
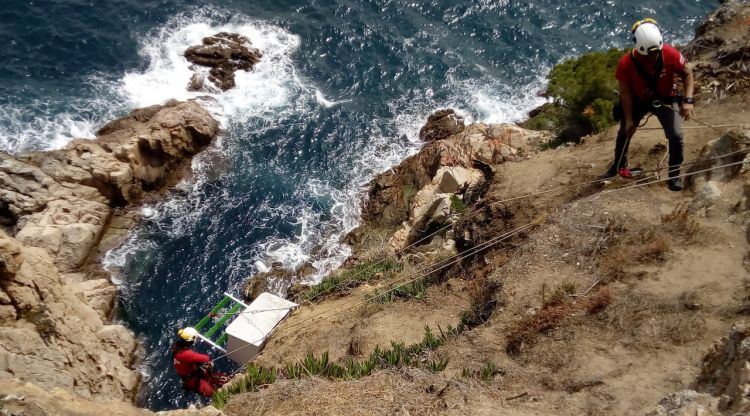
225 53
425 189
58 208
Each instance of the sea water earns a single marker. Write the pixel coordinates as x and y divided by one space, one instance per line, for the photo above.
339 96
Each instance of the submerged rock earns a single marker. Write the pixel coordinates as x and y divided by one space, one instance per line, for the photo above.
225 53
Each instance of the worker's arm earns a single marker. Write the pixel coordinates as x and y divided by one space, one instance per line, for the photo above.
688 84
626 100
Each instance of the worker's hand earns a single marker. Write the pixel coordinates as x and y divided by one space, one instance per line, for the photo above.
630 128
686 111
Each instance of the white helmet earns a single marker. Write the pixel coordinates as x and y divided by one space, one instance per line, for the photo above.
647 36
188 333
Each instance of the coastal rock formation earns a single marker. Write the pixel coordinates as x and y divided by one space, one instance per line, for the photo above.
62 200
722 386
56 209
718 51
225 53
51 337
19 398
426 188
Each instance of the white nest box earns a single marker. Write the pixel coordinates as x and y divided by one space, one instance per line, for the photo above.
249 331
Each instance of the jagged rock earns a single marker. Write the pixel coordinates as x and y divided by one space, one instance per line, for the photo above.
417 193
726 370
61 200
55 339
67 228
440 125
99 294
277 280
711 157
517 137
390 194
22 398
686 403
400 238
422 202
717 55
225 53
454 178
705 197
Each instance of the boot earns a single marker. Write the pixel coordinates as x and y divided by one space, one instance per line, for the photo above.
610 173
674 183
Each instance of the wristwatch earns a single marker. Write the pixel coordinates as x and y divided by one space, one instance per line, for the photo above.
687 100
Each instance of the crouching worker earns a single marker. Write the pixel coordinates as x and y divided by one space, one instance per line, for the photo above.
195 369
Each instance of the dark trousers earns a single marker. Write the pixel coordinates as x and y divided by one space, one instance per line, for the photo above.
669 117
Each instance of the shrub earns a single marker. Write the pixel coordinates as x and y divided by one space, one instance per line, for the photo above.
584 92
363 272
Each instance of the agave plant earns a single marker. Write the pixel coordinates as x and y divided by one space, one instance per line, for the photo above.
219 399
435 366
488 372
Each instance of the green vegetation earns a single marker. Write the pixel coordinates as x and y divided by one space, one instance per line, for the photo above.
584 92
457 204
399 355
363 272
415 290
488 372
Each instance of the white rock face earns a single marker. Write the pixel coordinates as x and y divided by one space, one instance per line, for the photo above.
451 155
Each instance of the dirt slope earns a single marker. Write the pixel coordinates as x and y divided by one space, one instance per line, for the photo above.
674 281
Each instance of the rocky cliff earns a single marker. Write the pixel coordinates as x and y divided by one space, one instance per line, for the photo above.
57 209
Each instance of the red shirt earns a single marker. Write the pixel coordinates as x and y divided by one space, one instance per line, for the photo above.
187 361
673 62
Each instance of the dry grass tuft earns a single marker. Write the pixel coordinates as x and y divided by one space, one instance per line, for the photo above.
560 295
644 321
648 245
526 331
679 223
551 316
553 356
597 302
373 395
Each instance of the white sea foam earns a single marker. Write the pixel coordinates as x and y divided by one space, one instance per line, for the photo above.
24 128
269 86
322 100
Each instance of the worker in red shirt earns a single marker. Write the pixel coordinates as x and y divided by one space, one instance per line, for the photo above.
194 368
647 85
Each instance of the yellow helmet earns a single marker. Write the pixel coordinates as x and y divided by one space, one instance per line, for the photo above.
188 333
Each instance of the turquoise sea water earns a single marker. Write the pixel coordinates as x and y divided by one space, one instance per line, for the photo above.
340 95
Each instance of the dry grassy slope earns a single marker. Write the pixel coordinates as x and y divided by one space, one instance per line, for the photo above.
672 294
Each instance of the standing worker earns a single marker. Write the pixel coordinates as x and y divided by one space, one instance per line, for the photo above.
647 85
194 368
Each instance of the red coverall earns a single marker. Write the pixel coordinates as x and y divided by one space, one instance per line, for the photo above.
187 363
